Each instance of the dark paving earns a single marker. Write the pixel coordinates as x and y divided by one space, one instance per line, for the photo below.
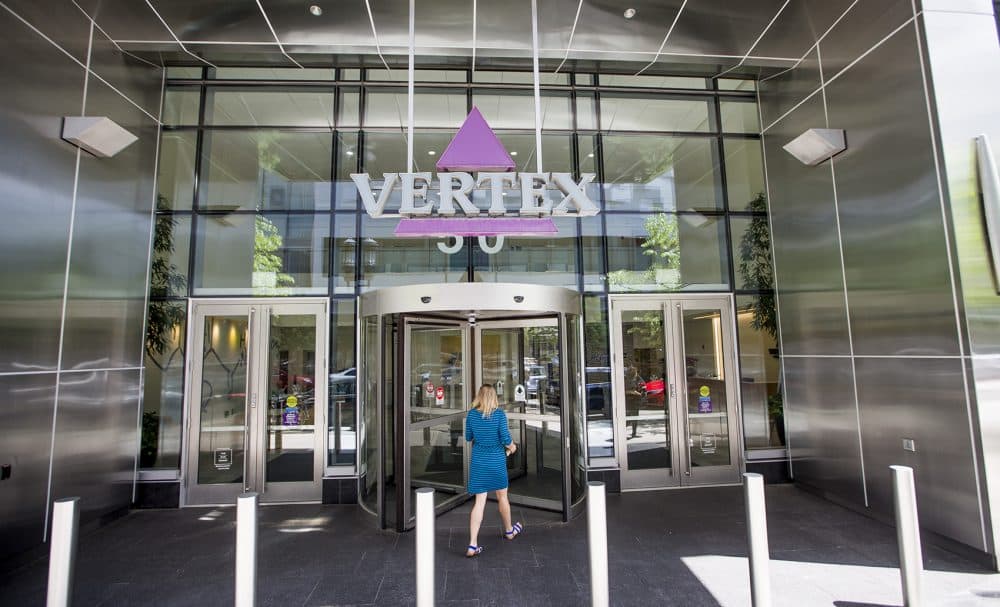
333 555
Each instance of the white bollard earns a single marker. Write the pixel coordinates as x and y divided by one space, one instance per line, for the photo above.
425 547
246 550
758 552
597 538
62 551
911 560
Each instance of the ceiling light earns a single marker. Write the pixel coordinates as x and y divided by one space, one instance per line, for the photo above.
513 153
431 152
629 13
816 145
349 153
590 155
315 10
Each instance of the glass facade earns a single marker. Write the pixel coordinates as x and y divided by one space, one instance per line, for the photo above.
255 199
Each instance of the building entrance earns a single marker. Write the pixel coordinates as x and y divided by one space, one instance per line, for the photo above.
421 371
676 412
255 404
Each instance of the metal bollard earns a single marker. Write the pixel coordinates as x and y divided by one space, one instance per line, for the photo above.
62 551
425 547
246 550
911 560
759 554
597 538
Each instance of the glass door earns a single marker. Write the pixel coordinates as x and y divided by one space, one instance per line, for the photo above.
256 401
675 391
522 360
433 412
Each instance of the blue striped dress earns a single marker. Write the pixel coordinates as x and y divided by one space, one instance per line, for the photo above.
489 436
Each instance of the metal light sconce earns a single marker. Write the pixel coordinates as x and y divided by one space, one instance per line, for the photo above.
99 135
816 145
347 249
370 251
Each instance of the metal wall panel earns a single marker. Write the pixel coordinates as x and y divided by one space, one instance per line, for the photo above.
781 93
807 259
60 21
41 86
986 372
95 445
107 286
899 287
138 81
864 26
126 20
799 27
26 419
821 417
921 399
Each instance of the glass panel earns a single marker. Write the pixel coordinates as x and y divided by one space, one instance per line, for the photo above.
586 112
368 466
659 82
266 171
386 153
557 155
175 180
667 252
527 357
431 108
592 243
163 387
345 253
647 423
520 78
183 72
744 175
345 192
543 261
286 107
536 468
437 459
575 408
752 252
291 388
389 261
418 75
740 117
273 73
349 112
342 416
222 420
652 173
707 408
502 364
171 249
600 431
727 84
642 114
245 254
387 452
350 74
436 373
515 109
760 366
181 106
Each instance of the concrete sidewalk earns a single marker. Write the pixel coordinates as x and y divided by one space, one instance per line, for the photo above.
680 547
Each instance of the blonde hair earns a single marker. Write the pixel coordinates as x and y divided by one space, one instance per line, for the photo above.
486 400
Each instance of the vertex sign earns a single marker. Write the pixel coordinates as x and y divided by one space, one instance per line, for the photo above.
476 160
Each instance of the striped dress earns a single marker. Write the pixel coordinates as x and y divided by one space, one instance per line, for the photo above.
489 436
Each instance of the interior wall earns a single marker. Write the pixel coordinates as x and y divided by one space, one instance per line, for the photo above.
75 240
867 296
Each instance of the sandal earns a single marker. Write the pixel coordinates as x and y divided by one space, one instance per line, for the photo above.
514 531
475 550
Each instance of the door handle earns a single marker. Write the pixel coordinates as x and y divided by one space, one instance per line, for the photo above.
673 391
687 444
248 405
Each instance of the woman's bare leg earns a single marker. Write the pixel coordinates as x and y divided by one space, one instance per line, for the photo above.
476 518
504 505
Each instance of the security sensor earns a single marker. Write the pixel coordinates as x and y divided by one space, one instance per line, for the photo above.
472 319
425 299
518 298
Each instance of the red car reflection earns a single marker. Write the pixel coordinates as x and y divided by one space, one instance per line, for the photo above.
654 390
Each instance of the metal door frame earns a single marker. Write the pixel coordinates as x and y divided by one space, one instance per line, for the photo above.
680 474
255 435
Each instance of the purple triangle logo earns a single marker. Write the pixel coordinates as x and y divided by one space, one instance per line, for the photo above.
474 148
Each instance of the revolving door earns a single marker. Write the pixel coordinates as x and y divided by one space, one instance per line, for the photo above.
424 352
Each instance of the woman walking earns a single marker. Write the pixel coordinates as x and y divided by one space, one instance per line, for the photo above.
486 427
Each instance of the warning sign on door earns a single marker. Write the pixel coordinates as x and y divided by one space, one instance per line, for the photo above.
439 396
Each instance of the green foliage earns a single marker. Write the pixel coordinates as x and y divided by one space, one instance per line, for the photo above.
662 243
756 269
267 239
166 279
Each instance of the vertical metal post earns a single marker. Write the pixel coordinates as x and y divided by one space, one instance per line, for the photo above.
911 560
597 538
759 555
246 550
425 547
62 551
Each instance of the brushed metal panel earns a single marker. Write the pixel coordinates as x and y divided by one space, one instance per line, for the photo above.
41 86
864 26
986 372
107 285
808 272
347 26
799 26
26 419
721 27
922 399
602 26
780 93
96 440
138 81
822 429
60 21
899 289
199 21
127 20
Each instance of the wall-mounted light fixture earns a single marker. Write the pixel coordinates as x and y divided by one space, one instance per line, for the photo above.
99 135
816 145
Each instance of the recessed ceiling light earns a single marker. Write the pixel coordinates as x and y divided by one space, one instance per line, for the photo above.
629 13
316 11
350 153
590 155
513 153
431 152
